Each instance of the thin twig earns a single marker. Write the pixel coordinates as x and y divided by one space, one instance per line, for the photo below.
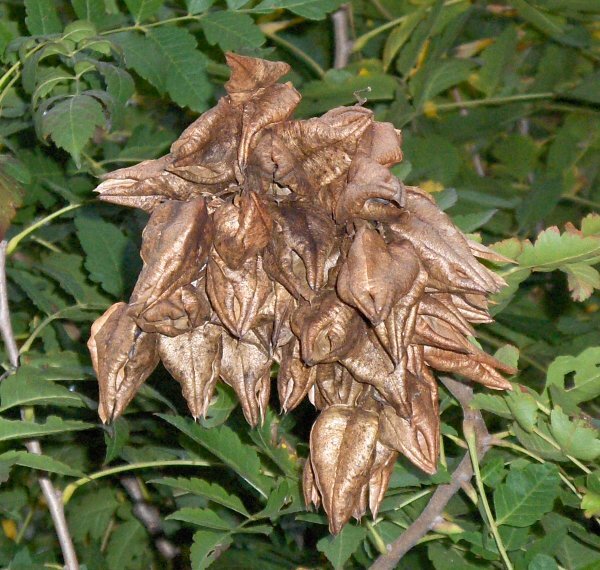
463 473
149 516
52 496
342 41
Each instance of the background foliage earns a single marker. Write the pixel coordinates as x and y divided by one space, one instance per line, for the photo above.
500 106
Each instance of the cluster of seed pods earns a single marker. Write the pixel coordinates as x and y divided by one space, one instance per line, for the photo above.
274 240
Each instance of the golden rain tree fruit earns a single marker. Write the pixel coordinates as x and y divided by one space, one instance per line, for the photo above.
272 239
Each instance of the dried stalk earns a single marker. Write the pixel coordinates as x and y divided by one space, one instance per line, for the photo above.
463 474
52 496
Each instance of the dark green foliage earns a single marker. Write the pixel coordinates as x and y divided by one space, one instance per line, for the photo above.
499 102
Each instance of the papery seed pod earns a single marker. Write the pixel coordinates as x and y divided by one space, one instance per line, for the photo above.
313 153
369 363
237 295
342 444
295 379
328 329
372 193
382 143
335 385
187 308
309 233
291 241
206 151
475 367
374 277
247 369
123 357
174 248
424 207
145 185
242 229
380 475
194 360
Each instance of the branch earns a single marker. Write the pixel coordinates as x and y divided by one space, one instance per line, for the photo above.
52 496
461 476
149 516
342 41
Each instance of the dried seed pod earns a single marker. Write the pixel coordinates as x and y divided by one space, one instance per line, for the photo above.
372 193
375 276
295 379
237 295
175 246
328 329
247 369
273 239
187 308
480 367
309 233
342 451
194 360
123 357
242 229
380 475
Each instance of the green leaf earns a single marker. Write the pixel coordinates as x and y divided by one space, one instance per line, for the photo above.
201 517
127 546
495 404
311 9
231 30
198 6
90 10
552 250
517 155
211 491
590 502
119 83
115 438
222 404
399 36
544 196
537 444
278 498
105 247
143 56
42 17
29 390
544 22
41 462
470 222
526 495
67 270
495 59
204 548
433 158
142 10
72 122
338 549
574 437
17 429
542 562
11 190
523 408
225 444
38 289
338 88
63 365
437 76
186 79
92 512
582 280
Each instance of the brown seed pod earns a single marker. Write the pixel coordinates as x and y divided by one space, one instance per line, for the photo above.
280 240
